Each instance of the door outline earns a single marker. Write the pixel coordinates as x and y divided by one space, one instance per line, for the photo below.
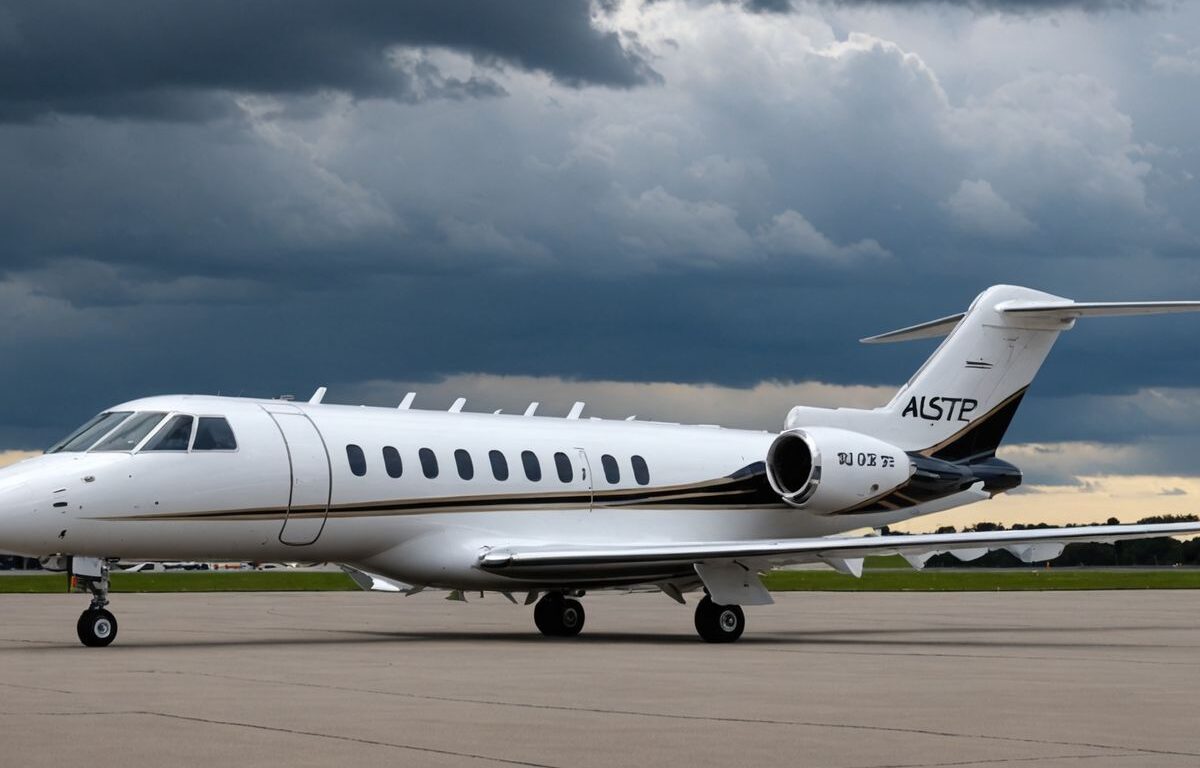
585 470
291 410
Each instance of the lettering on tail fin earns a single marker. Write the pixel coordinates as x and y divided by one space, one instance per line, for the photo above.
940 408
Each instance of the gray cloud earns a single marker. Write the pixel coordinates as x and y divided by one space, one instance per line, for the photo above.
143 59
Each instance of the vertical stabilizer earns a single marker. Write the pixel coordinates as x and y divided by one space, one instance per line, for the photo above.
958 405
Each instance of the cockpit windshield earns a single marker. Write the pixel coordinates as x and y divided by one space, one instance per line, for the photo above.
125 430
84 437
130 433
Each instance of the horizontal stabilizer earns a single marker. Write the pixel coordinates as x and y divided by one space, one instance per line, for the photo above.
929 330
1069 310
1062 310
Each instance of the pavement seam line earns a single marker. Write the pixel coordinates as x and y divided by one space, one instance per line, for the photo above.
298 732
672 716
1001 760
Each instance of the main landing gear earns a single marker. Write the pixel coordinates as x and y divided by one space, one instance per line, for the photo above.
97 627
719 623
558 616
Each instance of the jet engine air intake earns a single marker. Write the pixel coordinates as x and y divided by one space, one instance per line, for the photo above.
824 469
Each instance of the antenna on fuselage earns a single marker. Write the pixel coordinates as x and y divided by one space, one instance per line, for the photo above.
318 396
532 409
575 410
407 401
458 405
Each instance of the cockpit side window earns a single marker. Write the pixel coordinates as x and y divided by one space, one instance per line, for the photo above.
84 437
175 435
213 434
131 432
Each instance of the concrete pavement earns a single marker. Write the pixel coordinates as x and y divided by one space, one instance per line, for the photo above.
1092 679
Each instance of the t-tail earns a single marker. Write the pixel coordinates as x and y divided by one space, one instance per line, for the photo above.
958 405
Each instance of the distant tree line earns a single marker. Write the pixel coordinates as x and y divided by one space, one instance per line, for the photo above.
1138 552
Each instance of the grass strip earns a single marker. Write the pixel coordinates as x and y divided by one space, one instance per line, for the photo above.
1018 579
931 580
201 581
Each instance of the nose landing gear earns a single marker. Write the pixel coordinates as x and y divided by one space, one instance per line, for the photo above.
97 627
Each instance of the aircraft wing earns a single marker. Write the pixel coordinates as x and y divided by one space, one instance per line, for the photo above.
844 554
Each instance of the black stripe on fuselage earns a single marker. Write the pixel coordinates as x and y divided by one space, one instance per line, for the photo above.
748 487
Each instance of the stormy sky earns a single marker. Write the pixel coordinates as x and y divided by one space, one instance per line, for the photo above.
681 209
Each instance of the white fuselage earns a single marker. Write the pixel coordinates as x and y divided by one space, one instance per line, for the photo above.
288 491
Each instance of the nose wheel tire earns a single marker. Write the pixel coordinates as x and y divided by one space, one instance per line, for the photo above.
96 627
719 623
558 616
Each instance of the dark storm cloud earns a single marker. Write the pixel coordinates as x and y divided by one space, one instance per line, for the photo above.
783 194
767 6
983 6
143 58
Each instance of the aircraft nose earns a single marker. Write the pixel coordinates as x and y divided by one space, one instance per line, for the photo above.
24 520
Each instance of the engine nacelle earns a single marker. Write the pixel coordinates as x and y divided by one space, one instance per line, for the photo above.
825 470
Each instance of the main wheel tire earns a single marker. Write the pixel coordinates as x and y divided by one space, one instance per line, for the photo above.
96 627
571 618
547 614
557 616
719 623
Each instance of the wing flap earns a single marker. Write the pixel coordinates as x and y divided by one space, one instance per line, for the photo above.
373 582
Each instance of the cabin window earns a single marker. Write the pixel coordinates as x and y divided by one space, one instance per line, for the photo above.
391 461
213 434
563 464
358 461
533 468
175 435
466 468
131 432
428 463
641 472
86 436
612 472
499 465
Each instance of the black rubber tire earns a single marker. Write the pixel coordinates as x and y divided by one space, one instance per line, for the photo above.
557 616
96 628
547 614
571 618
719 623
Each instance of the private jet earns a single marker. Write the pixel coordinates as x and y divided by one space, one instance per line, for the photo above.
555 508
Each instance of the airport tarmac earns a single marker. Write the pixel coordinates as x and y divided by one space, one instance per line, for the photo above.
1091 679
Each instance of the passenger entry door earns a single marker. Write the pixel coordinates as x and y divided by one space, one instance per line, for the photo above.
310 488
584 468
